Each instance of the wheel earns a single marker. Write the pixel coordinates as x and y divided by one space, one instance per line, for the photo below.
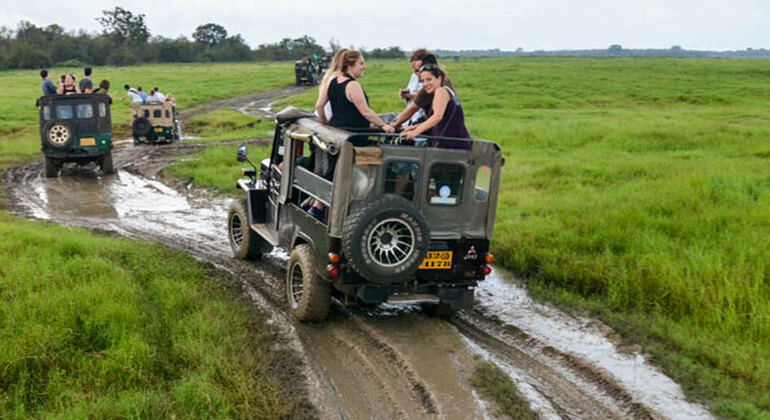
58 134
141 127
309 295
386 239
51 167
106 164
442 310
137 141
246 244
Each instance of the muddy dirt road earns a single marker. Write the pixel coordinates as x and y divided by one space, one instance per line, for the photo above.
382 363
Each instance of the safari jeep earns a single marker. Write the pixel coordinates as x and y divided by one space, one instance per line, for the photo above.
307 70
404 222
75 128
154 123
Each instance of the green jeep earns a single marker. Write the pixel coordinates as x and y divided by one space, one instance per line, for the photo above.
75 128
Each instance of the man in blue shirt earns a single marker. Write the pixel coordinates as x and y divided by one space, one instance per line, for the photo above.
48 87
142 94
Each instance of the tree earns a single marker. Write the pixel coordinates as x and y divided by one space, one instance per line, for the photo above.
210 34
123 26
615 48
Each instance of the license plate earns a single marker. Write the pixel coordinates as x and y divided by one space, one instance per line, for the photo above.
159 130
88 141
437 260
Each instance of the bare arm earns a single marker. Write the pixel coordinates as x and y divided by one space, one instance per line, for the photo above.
355 94
323 97
406 114
440 101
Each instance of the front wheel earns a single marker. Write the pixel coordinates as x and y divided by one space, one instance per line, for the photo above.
246 244
309 295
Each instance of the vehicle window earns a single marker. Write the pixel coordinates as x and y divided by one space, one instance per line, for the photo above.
85 111
146 113
483 179
102 109
64 112
445 185
168 114
157 113
401 178
46 112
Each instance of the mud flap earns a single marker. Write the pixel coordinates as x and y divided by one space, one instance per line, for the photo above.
457 298
258 205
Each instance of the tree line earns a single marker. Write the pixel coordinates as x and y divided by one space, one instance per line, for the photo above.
125 40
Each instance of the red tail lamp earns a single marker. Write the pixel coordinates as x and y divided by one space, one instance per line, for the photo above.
333 271
334 258
486 270
489 258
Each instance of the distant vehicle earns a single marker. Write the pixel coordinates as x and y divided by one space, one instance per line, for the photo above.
307 71
75 128
403 224
155 123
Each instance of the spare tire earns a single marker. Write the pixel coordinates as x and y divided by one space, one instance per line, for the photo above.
58 134
386 239
141 127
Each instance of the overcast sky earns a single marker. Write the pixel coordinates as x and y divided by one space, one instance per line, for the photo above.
449 24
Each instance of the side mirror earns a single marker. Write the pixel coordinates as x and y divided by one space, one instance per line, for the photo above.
242 153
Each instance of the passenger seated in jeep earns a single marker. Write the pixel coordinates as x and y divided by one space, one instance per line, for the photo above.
445 118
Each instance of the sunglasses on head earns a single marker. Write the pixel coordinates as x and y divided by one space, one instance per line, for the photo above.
429 67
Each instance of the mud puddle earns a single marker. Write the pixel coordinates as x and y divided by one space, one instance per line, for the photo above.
259 104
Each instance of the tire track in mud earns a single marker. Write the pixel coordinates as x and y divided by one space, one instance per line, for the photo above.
574 389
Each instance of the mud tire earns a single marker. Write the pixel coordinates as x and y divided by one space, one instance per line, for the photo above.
308 294
106 164
368 221
52 167
141 127
245 243
58 134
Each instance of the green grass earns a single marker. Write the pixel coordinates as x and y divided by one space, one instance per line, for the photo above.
191 84
639 188
216 167
494 385
96 327
228 124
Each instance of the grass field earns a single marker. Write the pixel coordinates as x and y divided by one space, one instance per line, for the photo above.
97 327
638 189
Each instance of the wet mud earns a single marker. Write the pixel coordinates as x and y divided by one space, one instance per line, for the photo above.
386 362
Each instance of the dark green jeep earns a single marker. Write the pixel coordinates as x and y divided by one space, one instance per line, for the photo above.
75 128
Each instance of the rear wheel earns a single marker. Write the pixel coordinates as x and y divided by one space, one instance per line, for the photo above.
309 295
51 167
245 243
106 164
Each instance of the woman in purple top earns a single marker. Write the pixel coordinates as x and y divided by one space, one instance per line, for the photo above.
446 118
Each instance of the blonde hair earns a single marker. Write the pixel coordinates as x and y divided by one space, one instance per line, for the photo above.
349 58
335 67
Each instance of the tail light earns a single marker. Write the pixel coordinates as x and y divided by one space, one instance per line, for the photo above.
333 271
486 270
334 258
489 258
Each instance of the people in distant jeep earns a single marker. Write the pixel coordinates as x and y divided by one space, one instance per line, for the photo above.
445 118
48 87
104 88
349 102
85 85
132 94
153 98
67 85
159 94
142 94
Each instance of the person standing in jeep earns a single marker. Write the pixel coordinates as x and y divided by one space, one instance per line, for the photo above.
48 87
86 86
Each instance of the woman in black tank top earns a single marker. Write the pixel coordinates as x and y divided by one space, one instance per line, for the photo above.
349 103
